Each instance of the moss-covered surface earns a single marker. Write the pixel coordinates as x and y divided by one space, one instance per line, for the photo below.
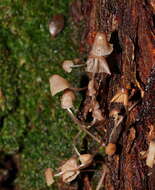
32 124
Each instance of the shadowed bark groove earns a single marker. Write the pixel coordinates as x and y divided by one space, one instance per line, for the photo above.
130 27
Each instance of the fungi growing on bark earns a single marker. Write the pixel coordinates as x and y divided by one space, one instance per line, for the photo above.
56 24
96 62
68 65
69 170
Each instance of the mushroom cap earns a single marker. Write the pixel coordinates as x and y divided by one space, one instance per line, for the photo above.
67 99
110 149
151 154
58 84
101 46
121 97
67 65
49 176
70 170
86 159
56 24
97 65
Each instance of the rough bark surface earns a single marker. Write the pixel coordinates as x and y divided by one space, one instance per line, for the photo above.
129 25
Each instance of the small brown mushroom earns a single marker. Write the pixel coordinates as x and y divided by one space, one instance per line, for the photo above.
67 99
97 65
121 97
68 65
151 154
85 159
58 84
110 149
56 24
70 170
101 47
49 176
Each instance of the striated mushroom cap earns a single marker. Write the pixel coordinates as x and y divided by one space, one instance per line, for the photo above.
58 84
101 47
70 170
67 65
97 65
67 99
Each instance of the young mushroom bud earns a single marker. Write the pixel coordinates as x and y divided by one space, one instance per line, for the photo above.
56 24
101 46
110 149
68 65
67 99
58 84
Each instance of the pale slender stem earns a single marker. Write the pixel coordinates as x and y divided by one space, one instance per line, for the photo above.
76 150
82 127
105 170
78 65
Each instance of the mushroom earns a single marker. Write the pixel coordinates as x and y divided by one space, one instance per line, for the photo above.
101 47
110 149
151 154
97 65
56 24
67 99
49 176
70 170
69 64
96 62
58 84
121 97
67 103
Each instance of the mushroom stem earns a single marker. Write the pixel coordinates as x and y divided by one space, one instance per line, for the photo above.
78 65
78 89
82 127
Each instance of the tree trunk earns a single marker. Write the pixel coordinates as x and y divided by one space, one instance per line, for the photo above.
129 25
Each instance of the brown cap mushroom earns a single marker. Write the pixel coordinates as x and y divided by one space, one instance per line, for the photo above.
56 24
49 176
151 154
86 159
58 84
70 170
97 65
110 149
67 99
121 97
67 65
101 47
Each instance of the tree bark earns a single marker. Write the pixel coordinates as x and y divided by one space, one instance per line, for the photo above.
129 25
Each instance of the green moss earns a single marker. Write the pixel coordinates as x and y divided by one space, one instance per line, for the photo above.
33 124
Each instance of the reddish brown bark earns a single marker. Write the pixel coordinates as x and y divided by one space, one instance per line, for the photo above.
132 63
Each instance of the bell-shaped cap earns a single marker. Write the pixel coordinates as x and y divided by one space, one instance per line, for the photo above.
121 97
110 149
67 99
86 159
67 65
49 176
97 65
101 46
58 84
70 170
